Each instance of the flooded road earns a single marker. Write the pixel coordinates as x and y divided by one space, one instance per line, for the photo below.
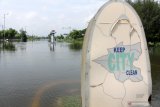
34 74
155 68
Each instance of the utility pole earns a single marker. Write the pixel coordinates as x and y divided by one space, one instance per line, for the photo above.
1 27
4 26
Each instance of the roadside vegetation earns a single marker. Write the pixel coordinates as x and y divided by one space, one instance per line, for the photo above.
75 38
13 35
69 101
149 12
8 36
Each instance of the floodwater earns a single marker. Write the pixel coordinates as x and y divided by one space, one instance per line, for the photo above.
36 74
155 68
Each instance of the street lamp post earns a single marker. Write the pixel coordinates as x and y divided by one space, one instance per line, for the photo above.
4 26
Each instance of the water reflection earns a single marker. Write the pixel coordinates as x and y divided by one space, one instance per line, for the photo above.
75 46
155 68
33 76
21 46
155 56
7 46
154 50
51 45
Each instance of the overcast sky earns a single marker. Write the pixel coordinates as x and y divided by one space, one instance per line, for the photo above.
41 16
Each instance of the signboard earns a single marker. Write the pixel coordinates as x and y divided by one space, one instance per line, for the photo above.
115 62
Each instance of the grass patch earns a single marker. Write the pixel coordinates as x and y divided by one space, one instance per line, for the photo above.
69 101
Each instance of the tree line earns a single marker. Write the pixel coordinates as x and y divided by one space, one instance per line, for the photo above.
76 34
73 35
12 34
149 12
21 35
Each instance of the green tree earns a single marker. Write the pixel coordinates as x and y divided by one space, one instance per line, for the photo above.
60 37
1 34
23 35
17 36
76 34
11 33
149 12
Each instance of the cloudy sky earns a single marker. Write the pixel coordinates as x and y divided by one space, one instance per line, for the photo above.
39 17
